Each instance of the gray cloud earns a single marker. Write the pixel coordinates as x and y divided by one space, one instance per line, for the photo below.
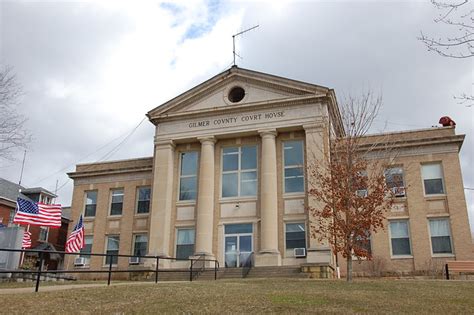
60 51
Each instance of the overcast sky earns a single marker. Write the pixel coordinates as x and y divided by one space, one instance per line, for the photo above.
90 70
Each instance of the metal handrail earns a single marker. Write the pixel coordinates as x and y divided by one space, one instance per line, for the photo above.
193 274
247 265
111 267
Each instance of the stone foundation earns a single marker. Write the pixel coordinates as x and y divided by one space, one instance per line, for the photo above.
318 271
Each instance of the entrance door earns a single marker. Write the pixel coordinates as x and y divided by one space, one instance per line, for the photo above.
237 249
237 244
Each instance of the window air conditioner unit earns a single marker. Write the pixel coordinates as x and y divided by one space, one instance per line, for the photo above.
79 261
398 191
134 260
300 252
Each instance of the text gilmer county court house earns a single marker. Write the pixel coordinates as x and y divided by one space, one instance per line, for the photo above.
229 177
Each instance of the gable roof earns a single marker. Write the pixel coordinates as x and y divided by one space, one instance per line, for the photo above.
293 86
9 190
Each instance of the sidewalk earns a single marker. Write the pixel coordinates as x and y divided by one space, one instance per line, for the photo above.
49 288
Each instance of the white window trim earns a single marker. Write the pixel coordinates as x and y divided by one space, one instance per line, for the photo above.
47 234
186 227
110 202
403 183
85 204
305 235
187 176
423 180
392 256
239 171
87 264
105 264
134 238
371 248
137 197
452 254
297 193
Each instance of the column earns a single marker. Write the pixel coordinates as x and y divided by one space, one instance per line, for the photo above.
205 200
317 152
269 254
162 195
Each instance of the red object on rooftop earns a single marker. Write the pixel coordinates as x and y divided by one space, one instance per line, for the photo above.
446 121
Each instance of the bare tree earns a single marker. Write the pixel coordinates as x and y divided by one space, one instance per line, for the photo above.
459 19
13 134
350 188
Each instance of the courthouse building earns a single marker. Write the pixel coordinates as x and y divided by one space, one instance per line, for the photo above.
229 177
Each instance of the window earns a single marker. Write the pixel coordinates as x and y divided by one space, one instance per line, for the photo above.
43 234
440 236
87 249
188 176
140 245
432 178
295 235
394 181
239 171
400 238
143 204
185 243
116 204
363 243
11 217
91 204
44 199
361 182
239 228
113 243
293 160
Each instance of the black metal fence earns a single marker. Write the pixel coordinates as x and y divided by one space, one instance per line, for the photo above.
194 269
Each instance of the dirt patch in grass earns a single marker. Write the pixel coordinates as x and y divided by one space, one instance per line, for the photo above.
253 296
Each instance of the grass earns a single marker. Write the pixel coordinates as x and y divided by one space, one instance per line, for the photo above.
254 296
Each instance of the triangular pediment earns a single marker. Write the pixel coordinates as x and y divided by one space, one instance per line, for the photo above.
218 92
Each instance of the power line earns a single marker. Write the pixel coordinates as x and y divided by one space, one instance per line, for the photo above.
117 147
107 155
86 156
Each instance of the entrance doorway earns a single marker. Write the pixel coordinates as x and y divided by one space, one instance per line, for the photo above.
238 244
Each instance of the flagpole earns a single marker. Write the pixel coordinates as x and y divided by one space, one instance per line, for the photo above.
22 256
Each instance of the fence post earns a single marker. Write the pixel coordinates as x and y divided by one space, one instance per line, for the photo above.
447 272
191 271
38 275
156 270
110 268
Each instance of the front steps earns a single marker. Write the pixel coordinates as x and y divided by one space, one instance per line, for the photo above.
231 273
236 273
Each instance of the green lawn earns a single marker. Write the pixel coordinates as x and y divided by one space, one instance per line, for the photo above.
253 296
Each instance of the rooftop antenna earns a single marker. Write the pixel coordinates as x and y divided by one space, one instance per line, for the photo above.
240 33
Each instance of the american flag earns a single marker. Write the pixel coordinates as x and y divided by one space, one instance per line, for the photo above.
75 241
26 242
29 212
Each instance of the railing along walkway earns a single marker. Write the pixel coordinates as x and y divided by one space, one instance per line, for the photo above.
110 258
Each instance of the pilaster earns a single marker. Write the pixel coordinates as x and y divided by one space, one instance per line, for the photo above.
162 196
205 200
269 254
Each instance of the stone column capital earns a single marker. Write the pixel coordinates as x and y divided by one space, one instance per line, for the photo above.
207 140
267 133
314 127
165 143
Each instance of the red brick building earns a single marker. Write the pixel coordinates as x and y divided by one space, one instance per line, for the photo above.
41 237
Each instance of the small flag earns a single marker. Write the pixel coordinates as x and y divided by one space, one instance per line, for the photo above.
75 241
29 212
26 242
